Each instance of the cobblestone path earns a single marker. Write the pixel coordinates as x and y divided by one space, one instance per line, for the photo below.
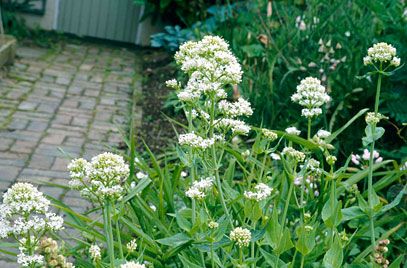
73 100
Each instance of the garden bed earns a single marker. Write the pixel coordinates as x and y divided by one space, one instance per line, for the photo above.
156 129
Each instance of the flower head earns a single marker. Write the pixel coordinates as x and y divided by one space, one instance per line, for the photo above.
132 245
195 141
101 178
261 192
241 236
293 131
294 154
132 264
234 109
381 52
198 188
94 252
311 95
269 134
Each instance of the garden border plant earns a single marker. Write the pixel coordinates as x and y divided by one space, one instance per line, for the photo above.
229 194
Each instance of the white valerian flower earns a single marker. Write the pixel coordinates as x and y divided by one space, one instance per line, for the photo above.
237 126
198 188
293 131
311 95
209 57
374 118
140 175
173 83
101 178
331 159
323 134
195 141
269 134
291 152
275 156
241 236
234 109
261 192
25 216
132 264
94 252
381 52
213 225
131 246
246 153
30 260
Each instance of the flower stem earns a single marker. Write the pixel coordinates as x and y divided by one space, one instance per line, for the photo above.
212 258
370 174
302 260
108 231
309 129
118 235
287 203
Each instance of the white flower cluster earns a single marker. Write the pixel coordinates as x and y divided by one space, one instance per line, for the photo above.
210 57
213 225
198 188
313 166
94 252
101 178
25 210
293 131
234 109
30 260
381 52
323 134
195 141
374 118
237 126
262 191
132 245
132 264
241 236
24 214
294 154
365 157
311 95
269 134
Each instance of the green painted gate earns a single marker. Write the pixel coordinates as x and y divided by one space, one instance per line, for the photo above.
107 19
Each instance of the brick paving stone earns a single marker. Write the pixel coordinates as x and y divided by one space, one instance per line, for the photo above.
58 104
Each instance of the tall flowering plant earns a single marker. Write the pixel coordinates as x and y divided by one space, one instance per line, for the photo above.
231 194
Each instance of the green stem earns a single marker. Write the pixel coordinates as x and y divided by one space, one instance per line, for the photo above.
333 196
309 129
193 212
212 258
370 174
302 261
118 235
287 203
108 231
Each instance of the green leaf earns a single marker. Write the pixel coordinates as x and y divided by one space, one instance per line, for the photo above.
372 135
188 263
271 259
396 200
175 240
306 240
183 223
277 237
352 213
340 130
332 216
254 50
334 256
397 262
143 183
